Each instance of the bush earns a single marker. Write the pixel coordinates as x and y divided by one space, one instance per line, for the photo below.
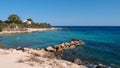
0 29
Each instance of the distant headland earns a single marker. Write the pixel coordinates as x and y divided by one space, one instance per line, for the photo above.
14 24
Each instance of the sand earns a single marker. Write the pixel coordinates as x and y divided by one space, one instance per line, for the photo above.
13 58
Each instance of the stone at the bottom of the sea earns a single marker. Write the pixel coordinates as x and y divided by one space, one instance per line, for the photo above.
101 66
72 46
78 61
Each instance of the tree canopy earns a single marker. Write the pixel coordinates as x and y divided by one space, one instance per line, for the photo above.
14 21
14 18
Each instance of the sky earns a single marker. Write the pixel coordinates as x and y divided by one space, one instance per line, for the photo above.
64 12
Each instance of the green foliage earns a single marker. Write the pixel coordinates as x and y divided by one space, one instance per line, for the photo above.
1 21
0 28
39 25
13 18
14 21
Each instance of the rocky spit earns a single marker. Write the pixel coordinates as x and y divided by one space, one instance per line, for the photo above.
48 57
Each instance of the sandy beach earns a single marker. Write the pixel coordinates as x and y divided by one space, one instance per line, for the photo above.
27 30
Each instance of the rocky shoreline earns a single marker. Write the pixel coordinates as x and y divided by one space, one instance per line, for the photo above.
50 56
27 30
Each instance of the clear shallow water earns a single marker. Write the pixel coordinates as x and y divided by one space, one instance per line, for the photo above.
102 44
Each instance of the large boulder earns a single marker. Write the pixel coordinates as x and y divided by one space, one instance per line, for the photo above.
63 46
51 49
72 46
67 44
59 48
72 43
26 49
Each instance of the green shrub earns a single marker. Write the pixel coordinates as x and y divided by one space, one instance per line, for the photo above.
0 29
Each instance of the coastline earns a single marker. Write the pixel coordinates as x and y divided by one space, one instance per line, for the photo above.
39 58
13 58
27 30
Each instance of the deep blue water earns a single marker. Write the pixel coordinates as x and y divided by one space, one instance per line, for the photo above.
102 44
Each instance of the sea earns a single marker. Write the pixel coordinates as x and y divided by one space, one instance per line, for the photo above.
102 43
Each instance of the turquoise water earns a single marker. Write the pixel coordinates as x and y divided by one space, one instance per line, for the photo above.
102 44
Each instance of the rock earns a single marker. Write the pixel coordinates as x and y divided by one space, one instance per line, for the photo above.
49 55
63 46
77 42
72 46
42 49
81 42
78 61
36 52
101 66
72 43
59 49
75 39
1 45
20 48
26 49
67 44
37 48
51 49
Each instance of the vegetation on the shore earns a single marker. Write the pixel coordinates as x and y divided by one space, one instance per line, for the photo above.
13 21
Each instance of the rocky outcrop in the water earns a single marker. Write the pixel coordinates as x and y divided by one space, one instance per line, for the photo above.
61 47
54 52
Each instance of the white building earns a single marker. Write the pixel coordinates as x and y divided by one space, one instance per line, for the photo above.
28 22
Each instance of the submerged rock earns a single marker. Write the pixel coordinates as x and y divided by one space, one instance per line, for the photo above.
78 61
101 66
72 46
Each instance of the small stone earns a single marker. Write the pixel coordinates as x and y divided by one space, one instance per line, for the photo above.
78 61
20 48
72 46
101 66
